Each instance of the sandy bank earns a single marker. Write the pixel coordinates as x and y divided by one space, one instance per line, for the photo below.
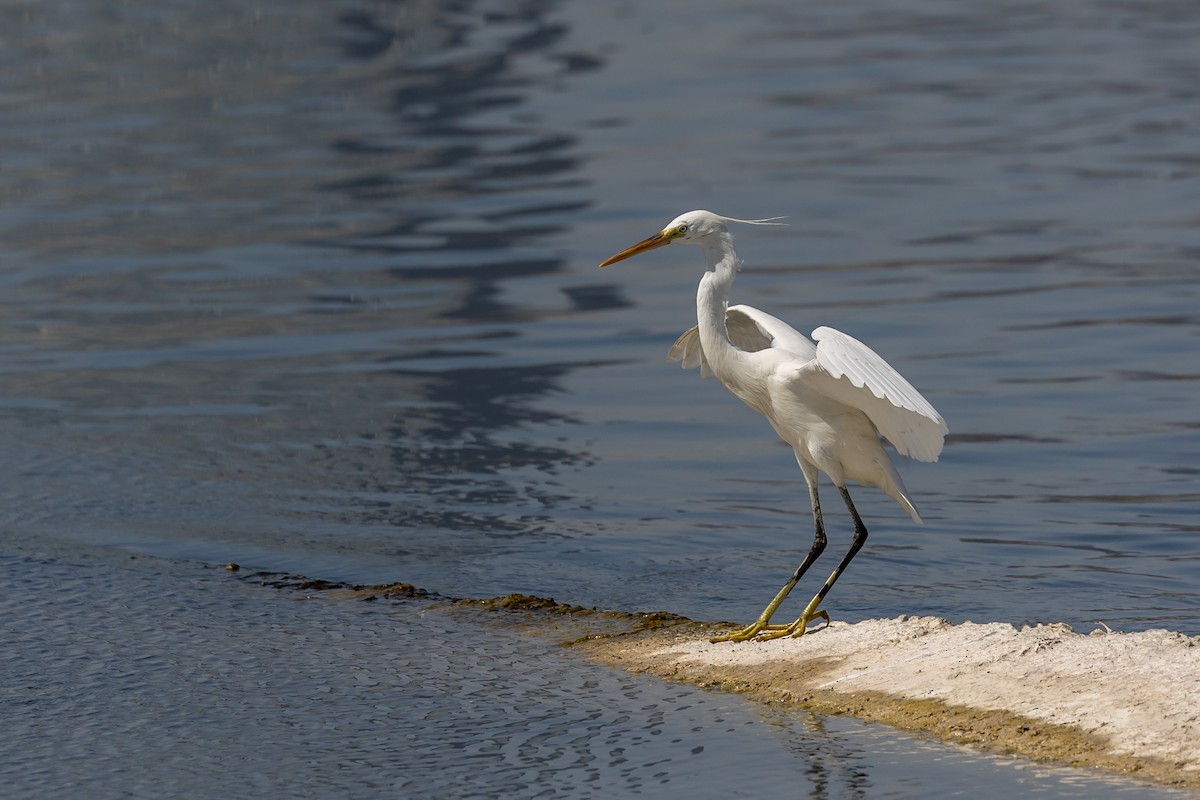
1125 702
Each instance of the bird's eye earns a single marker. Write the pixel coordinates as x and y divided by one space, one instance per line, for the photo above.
683 228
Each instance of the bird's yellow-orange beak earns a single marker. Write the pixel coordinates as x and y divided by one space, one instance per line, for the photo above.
657 240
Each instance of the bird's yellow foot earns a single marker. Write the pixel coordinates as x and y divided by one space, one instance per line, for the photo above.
747 633
763 631
797 628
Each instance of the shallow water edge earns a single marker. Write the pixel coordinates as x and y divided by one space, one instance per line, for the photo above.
673 647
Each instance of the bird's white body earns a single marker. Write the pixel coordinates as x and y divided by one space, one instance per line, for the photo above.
808 391
831 399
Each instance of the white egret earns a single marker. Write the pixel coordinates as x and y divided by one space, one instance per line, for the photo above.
831 401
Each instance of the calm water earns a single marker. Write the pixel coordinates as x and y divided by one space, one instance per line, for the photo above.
311 286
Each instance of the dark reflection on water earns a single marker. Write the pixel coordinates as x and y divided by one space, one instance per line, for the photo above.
454 433
446 454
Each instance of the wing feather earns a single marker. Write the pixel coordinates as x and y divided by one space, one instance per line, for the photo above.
688 350
854 374
753 330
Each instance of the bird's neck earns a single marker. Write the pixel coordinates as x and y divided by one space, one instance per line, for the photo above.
712 298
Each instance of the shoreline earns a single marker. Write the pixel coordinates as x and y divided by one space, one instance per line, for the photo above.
1123 703
1127 703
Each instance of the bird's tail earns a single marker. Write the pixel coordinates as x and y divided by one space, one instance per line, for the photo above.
893 484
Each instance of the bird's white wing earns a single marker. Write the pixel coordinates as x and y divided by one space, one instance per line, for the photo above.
753 330
688 350
848 371
750 330
838 366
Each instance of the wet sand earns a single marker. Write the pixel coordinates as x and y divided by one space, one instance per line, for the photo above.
1121 702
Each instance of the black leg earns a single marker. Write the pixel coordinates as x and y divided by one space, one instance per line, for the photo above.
819 541
764 619
810 611
860 537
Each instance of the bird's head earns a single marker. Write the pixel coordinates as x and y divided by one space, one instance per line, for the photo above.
694 227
